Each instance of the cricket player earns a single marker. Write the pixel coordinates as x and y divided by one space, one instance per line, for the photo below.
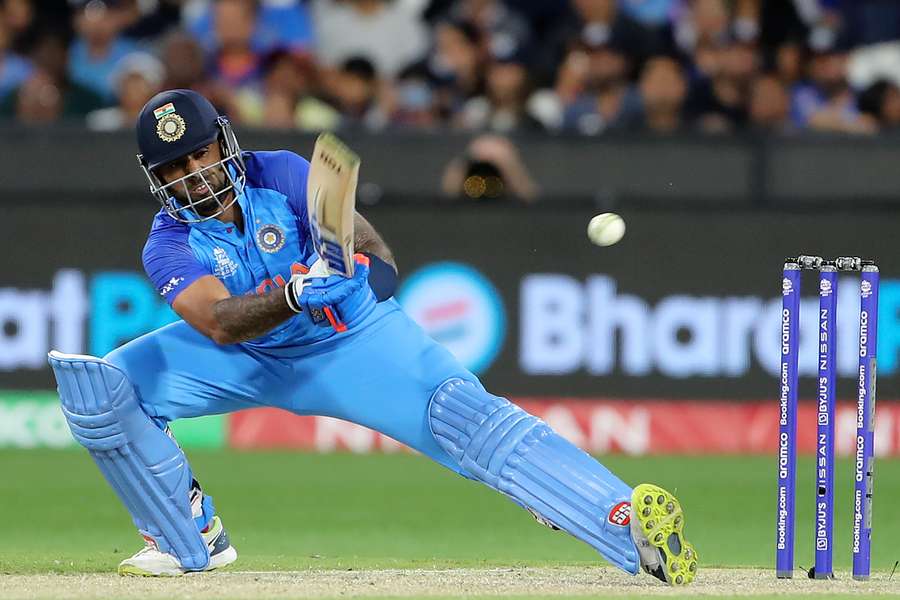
232 252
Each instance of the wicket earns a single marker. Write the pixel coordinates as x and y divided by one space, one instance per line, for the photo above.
825 402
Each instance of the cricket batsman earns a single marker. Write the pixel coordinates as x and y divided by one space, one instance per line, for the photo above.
263 324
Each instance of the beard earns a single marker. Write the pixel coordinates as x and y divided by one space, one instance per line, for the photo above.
206 200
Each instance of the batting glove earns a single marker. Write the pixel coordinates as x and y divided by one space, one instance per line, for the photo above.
320 297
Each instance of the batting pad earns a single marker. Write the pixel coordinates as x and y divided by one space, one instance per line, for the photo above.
145 467
516 453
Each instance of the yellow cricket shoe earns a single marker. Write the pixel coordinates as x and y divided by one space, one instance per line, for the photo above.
657 526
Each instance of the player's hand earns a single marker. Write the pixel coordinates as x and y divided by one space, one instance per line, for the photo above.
321 298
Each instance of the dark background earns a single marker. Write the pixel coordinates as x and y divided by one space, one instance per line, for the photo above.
725 172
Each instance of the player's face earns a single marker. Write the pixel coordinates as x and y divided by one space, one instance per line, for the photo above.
201 181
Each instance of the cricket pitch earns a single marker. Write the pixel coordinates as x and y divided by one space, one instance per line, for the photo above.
426 583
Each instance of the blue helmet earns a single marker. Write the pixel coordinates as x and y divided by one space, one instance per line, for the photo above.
176 123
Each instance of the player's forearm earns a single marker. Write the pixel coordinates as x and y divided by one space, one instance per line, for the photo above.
366 239
242 318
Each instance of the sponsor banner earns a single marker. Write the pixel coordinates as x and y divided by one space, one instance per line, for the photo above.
274 428
459 308
202 432
635 427
35 420
686 306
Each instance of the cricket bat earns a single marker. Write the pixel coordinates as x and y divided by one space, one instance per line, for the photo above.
331 202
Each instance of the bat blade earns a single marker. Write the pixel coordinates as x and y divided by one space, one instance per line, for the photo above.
331 202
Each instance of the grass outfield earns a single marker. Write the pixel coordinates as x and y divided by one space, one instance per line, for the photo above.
295 512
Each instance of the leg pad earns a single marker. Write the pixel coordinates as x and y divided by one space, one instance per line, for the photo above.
516 453
145 467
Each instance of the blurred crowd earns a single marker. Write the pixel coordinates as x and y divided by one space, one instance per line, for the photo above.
578 66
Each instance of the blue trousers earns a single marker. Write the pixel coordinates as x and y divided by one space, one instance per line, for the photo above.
381 375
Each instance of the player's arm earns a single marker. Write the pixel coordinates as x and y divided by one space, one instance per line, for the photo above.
382 266
209 307
198 297
368 241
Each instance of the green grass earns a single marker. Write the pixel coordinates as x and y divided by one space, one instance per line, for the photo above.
288 511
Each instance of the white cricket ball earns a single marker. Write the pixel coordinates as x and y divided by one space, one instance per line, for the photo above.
606 229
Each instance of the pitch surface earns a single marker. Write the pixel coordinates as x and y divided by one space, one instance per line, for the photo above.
531 582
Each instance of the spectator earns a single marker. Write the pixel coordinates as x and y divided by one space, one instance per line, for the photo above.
137 79
780 22
280 24
650 13
286 99
700 24
14 69
235 62
491 169
414 102
147 21
503 106
790 62
494 64
39 101
19 20
54 94
494 20
825 102
389 34
607 100
456 65
663 90
182 56
595 22
572 77
746 21
770 106
880 104
99 47
719 102
354 91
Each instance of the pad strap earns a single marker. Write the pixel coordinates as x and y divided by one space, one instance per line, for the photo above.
144 466
516 453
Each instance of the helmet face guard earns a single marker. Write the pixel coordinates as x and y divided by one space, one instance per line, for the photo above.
232 164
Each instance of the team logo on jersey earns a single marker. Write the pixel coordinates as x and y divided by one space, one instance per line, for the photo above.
170 285
171 127
620 514
270 238
225 267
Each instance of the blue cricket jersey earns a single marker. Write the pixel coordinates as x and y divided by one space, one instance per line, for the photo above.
274 245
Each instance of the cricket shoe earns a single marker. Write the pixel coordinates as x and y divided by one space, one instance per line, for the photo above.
657 527
151 562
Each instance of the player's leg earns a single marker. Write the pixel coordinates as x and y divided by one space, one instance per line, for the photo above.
144 466
405 385
377 380
118 409
519 455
